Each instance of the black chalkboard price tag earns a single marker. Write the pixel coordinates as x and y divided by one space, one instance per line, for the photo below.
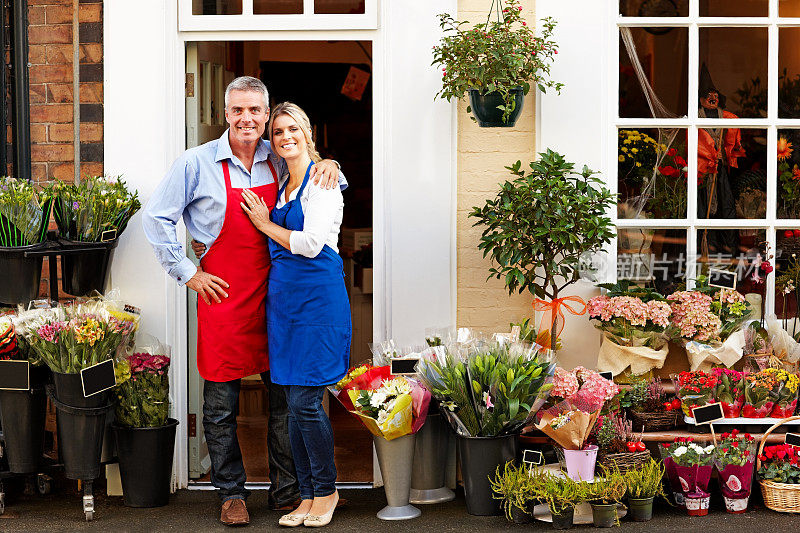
98 378
15 375
707 413
723 279
532 457
608 375
405 366
793 439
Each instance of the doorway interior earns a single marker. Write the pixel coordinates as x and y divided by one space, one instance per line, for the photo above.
332 82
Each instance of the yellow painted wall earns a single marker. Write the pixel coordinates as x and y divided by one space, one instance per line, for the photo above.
482 154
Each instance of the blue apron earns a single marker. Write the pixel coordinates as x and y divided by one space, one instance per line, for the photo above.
308 311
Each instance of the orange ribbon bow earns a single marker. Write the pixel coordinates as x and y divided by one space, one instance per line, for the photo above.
555 308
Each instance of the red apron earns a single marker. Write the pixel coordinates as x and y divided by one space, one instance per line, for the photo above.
232 335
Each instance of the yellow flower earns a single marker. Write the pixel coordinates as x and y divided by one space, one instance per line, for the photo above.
625 149
621 158
638 164
634 150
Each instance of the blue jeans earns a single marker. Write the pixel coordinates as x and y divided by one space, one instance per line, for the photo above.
220 407
311 435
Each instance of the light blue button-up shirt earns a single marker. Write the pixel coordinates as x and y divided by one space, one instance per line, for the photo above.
195 188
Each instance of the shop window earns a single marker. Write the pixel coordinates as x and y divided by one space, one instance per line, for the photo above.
652 257
334 7
654 8
277 7
788 72
788 170
216 7
734 8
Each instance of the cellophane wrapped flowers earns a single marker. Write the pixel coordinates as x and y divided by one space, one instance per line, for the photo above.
780 464
734 457
760 394
24 213
390 411
689 466
729 391
142 390
786 401
695 389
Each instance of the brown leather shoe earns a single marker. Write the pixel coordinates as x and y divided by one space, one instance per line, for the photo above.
234 513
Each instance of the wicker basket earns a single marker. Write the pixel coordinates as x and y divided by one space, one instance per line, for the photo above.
781 497
623 461
654 421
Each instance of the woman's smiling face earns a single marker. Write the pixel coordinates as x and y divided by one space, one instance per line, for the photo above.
288 138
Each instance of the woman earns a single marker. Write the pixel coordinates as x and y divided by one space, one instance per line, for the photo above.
308 312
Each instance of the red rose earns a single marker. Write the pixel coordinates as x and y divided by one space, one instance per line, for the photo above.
668 171
671 152
681 162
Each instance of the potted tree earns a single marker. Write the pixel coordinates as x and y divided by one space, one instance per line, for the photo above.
145 434
514 488
24 216
496 62
643 484
540 226
604 495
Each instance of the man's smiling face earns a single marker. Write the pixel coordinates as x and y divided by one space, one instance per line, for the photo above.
247 115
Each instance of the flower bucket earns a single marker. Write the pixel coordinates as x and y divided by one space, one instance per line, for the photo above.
484 108
86 271
693 478
480 457
604 515
697 503
145 463
23 417
69 390
750 411
564 520
19 283
674 482
735 482
430 460
641 509
581 463
395 458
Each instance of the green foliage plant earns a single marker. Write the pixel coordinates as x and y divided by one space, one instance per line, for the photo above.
608 488
142 390
645 481
541 223
497 55
560 493
515 487
24 213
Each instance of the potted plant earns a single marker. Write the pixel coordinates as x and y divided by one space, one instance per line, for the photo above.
761 391
24 216
604 495
729 391
514 488
650 407
643 484
561 494
695 389
540 226
689 467
497 62
487 397
94 211
786 401
144 433
779 475
734 458
620 448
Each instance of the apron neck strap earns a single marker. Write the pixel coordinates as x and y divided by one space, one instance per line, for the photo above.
302 186
227 173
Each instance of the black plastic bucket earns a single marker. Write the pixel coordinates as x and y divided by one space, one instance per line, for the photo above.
19 282
85 271
145 463
564 520
23 416
484 107
69 391
480 457
80 438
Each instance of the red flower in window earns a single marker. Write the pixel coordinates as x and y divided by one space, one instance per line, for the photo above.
668 171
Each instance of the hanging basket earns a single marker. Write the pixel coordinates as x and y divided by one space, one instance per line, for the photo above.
484 108
654 421
780 497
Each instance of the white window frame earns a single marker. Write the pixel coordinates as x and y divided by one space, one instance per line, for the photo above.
248 21
692 124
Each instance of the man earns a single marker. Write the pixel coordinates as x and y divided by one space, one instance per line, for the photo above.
204 187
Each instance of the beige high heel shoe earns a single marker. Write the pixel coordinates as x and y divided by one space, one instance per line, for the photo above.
323 520
292 520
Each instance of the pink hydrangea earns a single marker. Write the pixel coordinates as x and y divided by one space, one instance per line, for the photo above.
630 309
590 384
691 314
565 383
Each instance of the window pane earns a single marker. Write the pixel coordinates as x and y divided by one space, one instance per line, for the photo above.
651 173
731 173
788 174
734 8
788 8
787 281
216 7
735 250
354 7
664 60
789 69
733 67
277 7
655 257
654 8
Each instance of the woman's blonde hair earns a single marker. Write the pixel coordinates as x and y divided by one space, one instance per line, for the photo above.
299 116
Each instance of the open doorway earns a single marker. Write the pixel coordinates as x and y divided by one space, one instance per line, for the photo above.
331 81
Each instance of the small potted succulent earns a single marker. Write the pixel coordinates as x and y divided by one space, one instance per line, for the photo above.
514 487
643 485
604 495
495 62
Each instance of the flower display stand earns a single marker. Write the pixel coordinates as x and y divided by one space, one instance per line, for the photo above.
430 459
395 458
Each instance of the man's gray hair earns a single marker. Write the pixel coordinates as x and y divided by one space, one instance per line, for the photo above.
247 83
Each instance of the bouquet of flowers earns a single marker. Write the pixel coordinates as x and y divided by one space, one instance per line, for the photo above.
786 402
695 389
729 391
8 339
143 389
734 457
757 347
568 383
96 210
24 213
361 377
760 393
689 467
570 422
780 464
397 407
492 390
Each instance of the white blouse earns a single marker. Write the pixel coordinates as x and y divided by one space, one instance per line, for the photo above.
323 210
